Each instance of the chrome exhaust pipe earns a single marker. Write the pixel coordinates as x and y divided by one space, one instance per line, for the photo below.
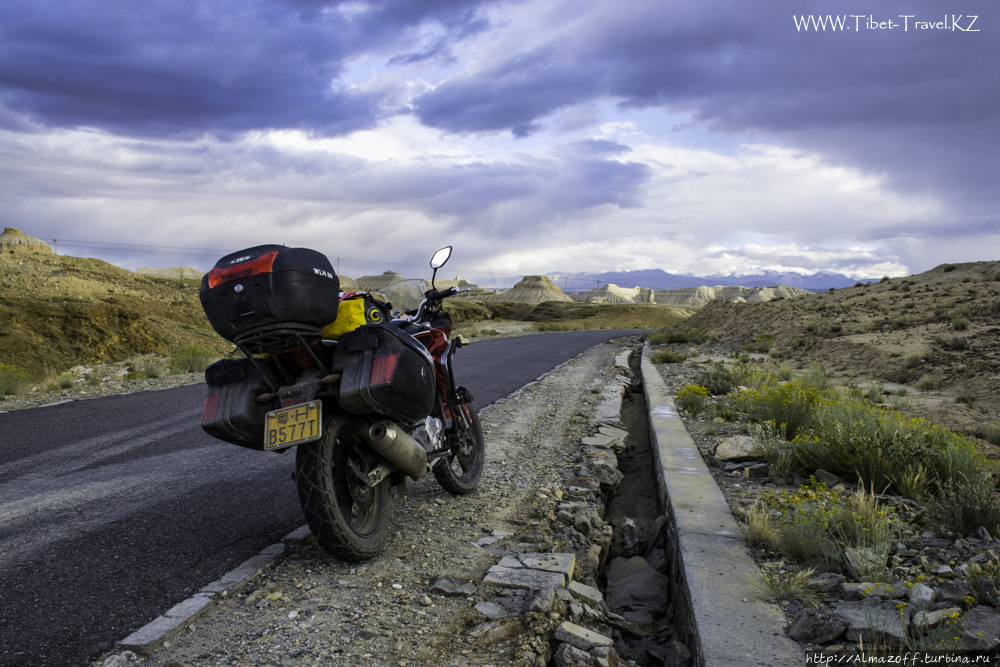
389 440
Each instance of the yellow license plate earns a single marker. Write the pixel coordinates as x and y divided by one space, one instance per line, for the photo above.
294 425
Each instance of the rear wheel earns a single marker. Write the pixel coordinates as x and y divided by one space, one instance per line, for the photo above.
348 516
462 467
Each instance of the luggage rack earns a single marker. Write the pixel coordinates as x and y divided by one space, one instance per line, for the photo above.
278 337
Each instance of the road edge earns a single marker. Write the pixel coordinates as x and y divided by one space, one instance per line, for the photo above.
728 621
181 615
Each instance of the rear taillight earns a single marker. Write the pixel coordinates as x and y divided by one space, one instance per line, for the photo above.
242 270
382 369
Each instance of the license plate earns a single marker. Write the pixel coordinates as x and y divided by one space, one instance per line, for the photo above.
294 425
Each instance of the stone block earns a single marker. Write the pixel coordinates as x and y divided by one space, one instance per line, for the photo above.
452 586
875 621
562 563
736 449
982 630
581 637
494 632
585 593
922 595
523 578
492 610
600 441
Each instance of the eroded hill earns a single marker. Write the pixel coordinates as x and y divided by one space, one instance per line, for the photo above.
57 311
936 333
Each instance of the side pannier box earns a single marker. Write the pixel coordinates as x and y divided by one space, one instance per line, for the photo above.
270 285
231 412
385 371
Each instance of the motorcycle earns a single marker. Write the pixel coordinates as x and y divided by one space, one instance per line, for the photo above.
366 396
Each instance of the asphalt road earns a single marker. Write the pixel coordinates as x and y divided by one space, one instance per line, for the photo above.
114 509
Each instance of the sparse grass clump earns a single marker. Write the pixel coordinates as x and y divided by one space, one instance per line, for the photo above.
770 441
874 392
93 377
758 528
762 344
817 378
717 379
12 379
784 372
657 339
695 337
191 359
966 398
666 357
691 399
152 371
958 343
926 382
675 337
65 381
789 586
959 324
991 433
725 412
968 504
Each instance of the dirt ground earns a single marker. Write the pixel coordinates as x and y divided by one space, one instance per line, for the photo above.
312 609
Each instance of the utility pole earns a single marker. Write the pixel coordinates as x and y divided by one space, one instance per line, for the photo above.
55 242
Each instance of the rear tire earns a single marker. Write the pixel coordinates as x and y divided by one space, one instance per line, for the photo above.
462 467
349 518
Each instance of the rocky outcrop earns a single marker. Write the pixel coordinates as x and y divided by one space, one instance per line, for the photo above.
611 293
531 289
375 283
699 296
14 240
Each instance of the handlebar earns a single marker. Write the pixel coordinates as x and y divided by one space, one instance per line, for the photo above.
433 297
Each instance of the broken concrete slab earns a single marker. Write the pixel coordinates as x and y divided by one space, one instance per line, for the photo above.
523 578
556 562
586 593
580 637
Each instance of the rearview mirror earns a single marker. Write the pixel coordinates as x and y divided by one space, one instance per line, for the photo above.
440 257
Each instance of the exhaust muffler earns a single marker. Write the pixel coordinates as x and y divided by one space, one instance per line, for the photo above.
389 440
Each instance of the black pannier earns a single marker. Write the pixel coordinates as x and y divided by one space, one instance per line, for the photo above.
385 371
270 286
230 411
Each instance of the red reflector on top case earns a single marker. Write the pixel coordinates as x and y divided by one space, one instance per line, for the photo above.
210 408
246 269
382 369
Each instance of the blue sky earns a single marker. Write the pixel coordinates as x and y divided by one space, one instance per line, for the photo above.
534 136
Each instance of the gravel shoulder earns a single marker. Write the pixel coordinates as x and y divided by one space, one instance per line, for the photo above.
312 608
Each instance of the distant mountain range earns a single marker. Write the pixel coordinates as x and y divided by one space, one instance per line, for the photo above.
660 279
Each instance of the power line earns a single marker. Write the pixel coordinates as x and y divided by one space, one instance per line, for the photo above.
212 252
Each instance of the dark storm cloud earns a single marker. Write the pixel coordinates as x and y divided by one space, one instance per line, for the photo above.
162 67
923 106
